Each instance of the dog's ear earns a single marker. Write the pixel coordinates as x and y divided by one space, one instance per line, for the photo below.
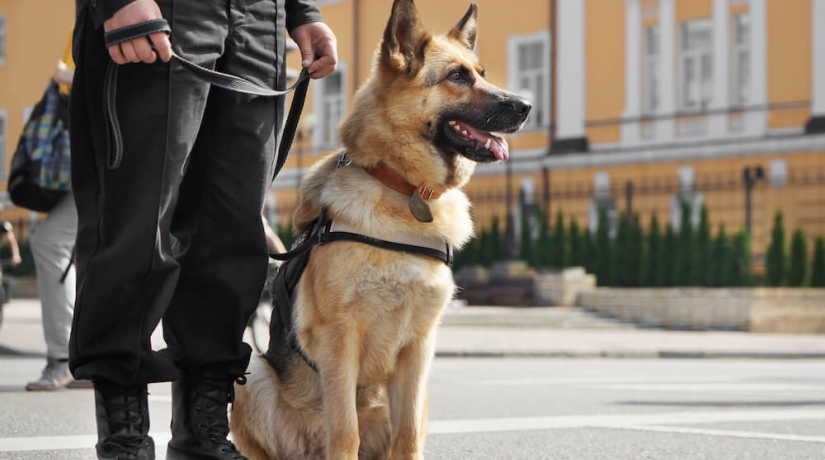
466 30
404 38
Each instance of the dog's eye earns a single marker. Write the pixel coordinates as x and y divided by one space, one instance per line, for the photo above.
456 75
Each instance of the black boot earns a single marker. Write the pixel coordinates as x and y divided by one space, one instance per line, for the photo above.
200 423
123 422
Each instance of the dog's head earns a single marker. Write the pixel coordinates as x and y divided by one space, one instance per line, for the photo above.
427 110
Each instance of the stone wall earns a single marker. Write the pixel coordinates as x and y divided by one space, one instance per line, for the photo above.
740 309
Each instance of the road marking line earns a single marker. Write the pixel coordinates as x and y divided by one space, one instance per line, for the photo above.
617 420
641 422
726 433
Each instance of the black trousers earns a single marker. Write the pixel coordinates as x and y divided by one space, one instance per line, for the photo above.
174 231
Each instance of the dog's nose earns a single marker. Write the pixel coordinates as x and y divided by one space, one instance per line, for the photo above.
522 106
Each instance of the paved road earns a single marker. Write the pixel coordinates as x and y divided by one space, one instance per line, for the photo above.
583 407
526 409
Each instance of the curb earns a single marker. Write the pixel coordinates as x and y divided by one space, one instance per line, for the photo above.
659 354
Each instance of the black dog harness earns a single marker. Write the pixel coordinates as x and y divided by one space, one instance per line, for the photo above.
321 231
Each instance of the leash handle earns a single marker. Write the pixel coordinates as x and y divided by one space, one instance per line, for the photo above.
215 78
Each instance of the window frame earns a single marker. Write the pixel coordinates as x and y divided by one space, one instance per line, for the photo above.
651 70
541 102
320 106
738 49
3 38
700 58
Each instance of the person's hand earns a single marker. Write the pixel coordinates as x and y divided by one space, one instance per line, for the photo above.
318 48
16 260
138 49
63 74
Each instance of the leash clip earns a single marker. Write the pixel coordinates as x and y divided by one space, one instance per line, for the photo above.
344 160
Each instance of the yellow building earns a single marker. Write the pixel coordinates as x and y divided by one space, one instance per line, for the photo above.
636 102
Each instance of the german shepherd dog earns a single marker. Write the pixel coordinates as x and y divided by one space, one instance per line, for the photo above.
364 316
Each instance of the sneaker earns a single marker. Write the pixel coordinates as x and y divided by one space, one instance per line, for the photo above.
56 375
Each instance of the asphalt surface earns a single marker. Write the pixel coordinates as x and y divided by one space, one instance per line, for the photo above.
529 384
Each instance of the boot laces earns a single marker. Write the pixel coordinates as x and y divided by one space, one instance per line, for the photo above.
127 431
211 399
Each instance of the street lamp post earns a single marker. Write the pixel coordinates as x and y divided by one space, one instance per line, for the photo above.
750 176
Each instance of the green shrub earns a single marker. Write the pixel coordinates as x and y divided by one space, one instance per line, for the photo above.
798 268
685 254
721 265
649 271
701 272
558 254
742 274
605 274
775 264
818 265
578 247
668 261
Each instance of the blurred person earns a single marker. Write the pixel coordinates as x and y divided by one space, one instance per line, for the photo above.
52 245
194 164
7 230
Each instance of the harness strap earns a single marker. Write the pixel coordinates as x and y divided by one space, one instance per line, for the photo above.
425 248
215 78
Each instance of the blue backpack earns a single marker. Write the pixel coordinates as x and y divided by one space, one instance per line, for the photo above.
41 166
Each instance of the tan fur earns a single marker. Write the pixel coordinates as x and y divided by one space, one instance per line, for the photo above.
367 316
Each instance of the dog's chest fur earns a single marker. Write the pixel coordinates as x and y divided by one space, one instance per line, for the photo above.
393 298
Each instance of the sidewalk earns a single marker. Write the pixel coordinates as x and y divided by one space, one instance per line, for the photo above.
520 332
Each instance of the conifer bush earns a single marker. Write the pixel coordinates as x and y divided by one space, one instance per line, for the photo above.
775 263
798 268
818 265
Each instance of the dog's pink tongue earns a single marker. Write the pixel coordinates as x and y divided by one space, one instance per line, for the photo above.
498 145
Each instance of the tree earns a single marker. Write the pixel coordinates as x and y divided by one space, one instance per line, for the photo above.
497 240
775 264
721 265
603 253
578 247
818 265
637 250
701 272
685 253
742 273
798 268
485 248
649 273
558 253
667 259
545 242
622 257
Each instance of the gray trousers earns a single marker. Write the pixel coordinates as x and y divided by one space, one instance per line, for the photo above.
51 244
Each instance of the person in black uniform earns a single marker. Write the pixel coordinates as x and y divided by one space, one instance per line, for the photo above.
173 159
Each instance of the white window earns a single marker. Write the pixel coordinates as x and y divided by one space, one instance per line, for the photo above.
696 61
4 137
330 106
741 59
687 178
528 61
651 70
601 184
779 173
2 39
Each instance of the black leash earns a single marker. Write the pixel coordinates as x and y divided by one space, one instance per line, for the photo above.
215 78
